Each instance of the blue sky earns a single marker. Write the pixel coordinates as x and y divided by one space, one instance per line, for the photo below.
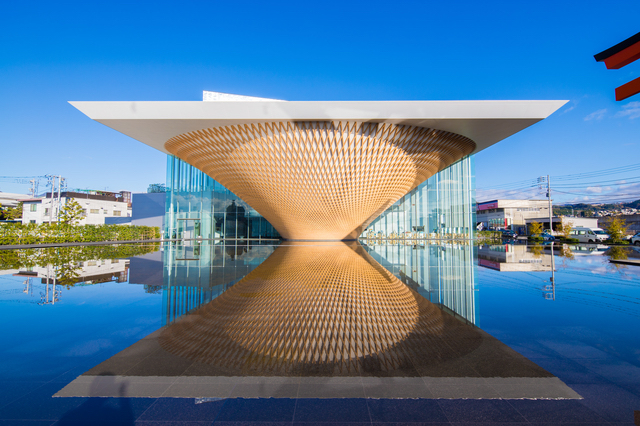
54 52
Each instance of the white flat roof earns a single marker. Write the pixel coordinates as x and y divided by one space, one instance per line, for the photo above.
154 123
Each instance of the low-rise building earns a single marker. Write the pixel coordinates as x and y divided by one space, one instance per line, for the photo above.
558 221
511 214
517 215
632 222
96 207
8 199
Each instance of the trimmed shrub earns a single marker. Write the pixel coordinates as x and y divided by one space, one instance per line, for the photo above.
19 234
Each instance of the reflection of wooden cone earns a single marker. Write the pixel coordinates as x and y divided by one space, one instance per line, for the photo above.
320 180
331 307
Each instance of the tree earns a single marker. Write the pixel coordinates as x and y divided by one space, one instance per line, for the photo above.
11 213
565 228
71 213
535 228
617 229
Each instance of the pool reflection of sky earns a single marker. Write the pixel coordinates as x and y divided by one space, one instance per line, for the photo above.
596 311
588 335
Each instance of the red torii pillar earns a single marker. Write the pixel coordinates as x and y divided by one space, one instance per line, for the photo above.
617 57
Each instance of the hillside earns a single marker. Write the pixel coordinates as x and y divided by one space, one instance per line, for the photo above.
589 210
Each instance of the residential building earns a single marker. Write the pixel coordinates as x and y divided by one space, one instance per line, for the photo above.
96 207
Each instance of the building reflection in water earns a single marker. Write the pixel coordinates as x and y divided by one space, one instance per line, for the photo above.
316 310
321 309
196 273
515 257
442 273
524 258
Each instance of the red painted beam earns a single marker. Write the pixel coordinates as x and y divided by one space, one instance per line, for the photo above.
627 90
624 57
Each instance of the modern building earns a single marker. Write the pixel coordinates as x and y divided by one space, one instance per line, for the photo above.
241 167
147 209
97 207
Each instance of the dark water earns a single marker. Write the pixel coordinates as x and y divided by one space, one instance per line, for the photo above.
581 326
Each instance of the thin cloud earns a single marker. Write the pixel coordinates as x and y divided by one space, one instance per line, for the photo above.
631 110
483 195
593 190
596 115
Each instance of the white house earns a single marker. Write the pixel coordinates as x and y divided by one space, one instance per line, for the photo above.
96 208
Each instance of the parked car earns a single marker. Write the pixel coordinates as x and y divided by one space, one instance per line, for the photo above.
586 235
635 240
507 233
600 233
547 237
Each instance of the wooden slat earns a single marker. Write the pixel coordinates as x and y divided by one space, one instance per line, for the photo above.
320 180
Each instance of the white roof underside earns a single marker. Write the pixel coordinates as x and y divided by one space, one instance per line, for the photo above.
154 123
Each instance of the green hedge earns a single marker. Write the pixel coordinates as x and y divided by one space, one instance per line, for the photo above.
489 235
568 240
58 256
18 233
66 260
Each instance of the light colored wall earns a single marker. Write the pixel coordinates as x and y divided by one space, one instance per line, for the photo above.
87 204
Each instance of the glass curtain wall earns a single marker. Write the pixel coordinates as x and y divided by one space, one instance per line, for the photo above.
195 273
443 205
199 207
443 273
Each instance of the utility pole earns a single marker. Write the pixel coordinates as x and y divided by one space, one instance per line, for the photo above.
52 183
58 209
547 179
550 208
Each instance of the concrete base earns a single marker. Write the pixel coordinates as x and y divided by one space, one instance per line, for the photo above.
319 387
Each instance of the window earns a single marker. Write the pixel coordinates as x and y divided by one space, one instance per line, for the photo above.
94 211
106 211
46 212
32 221
116 213
33 207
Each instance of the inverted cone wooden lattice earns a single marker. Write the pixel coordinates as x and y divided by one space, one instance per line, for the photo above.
317 310
320 180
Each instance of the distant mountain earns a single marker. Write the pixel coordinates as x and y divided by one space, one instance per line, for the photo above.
588 210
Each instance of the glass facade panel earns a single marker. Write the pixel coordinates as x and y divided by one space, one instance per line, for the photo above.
443 205
198 206
196 273
443 273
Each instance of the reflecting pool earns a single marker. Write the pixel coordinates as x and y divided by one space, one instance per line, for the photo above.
200 330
